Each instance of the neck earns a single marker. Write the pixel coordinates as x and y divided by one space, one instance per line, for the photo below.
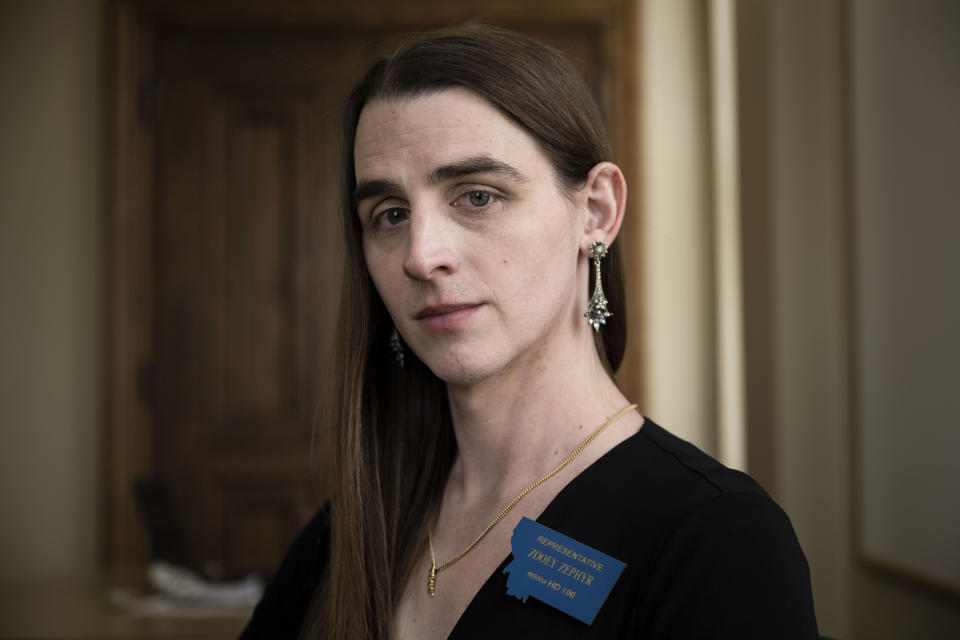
514 427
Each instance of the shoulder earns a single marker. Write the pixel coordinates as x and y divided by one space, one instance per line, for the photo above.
729 563
287 598
708 552
733 568
649 484
700 473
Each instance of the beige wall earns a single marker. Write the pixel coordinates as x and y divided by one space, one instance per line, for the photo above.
822 54
809 294
50 289
678 319
906 137
794 57
792 193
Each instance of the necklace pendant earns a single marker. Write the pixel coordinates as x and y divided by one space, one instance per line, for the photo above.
432 582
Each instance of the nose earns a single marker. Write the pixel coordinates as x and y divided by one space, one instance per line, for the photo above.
430 246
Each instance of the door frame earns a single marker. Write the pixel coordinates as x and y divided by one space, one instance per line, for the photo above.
131 103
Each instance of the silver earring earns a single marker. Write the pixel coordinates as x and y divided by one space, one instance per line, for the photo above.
597 313
397 347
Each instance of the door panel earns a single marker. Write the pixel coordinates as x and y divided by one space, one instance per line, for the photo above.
247 275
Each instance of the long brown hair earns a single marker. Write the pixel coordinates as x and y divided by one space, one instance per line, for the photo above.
390 430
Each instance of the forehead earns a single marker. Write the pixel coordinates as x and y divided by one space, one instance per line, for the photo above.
413 136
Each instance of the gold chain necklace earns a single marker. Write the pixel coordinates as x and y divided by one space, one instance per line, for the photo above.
434 569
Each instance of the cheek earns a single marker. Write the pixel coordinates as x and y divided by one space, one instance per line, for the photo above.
380 271
540 270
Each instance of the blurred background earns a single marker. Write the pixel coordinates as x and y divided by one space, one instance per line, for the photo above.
169 273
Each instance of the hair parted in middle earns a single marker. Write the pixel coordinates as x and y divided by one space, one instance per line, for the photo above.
389 436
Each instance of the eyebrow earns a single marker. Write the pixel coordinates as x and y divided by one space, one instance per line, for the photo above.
459 169
476 164
372 188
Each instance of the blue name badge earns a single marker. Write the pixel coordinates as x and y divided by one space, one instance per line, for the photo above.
557 570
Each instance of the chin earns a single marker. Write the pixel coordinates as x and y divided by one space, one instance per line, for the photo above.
461 369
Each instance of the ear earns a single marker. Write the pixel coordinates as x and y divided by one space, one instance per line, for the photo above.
605 191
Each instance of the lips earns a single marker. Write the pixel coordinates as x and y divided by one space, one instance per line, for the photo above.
445 317
442 309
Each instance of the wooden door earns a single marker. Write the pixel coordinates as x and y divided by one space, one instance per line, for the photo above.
238 157
247 269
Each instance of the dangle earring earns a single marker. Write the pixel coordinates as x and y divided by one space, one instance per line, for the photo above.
597 313
397 347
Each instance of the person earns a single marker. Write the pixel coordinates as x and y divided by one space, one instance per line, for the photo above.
481 322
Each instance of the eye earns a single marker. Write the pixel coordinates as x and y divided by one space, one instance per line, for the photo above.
394 215
478 198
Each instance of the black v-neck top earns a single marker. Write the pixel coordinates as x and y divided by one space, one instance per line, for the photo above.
708 555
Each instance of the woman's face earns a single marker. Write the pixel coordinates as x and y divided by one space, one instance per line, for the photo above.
470 241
